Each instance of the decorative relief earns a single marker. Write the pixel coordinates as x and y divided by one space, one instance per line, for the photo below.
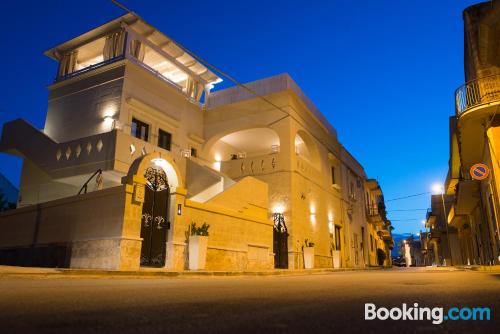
99 145
68 153
88 148
78 150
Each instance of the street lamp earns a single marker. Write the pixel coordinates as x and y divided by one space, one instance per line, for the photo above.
438 189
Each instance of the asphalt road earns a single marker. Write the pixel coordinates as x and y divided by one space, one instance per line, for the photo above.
320 303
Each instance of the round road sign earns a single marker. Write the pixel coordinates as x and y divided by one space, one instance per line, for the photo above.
479 171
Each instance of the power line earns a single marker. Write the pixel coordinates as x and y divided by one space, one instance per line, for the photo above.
406 210
409 196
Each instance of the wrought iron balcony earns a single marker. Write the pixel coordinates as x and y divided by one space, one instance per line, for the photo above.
476 93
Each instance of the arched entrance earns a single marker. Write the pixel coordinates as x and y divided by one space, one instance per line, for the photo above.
155 218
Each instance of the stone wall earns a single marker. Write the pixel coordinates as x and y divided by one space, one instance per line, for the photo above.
240 233
90 225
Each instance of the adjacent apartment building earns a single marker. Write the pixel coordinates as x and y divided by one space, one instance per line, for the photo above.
138 144
472 194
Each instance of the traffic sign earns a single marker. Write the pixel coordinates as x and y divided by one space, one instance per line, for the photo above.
479 171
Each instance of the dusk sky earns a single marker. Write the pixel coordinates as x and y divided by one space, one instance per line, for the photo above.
383 72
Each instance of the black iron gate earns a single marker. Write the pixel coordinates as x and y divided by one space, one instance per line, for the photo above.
154 223
280 242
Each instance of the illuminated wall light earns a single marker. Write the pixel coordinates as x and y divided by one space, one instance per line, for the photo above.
179 209
312 216
278 208
330 222
132 149
217 162
109 122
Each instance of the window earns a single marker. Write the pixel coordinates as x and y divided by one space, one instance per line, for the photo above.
333 175
337 237
194 152
164 139
140 129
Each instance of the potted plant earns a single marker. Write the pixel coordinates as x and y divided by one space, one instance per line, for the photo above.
198 241
308 254
335 256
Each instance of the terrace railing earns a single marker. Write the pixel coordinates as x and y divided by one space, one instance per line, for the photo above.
477 92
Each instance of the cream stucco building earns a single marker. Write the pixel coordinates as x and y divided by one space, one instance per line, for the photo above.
138 145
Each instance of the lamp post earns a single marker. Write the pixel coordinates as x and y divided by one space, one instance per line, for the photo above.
439 190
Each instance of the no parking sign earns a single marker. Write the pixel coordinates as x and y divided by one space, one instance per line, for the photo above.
479 172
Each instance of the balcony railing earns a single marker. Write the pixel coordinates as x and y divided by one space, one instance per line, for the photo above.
477 92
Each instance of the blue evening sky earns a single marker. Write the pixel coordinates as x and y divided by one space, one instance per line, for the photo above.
383 72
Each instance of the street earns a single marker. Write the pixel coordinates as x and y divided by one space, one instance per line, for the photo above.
317 303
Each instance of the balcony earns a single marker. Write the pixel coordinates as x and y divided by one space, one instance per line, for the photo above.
480 92
251 166
376 215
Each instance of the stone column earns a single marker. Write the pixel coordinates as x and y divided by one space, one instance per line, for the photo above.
176 244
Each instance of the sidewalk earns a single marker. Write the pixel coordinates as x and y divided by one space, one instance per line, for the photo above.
33 272
494 268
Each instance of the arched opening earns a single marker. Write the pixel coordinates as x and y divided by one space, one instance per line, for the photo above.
248 143
306 148
158 175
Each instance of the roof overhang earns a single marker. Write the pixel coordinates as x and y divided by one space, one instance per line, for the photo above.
167 45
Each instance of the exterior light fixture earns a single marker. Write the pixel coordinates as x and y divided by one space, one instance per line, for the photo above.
109 122
330 222
132 149
279 208
179 209
217 162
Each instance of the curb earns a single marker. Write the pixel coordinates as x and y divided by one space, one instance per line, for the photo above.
495 268
88 273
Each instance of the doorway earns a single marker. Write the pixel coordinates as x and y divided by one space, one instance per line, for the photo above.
155 218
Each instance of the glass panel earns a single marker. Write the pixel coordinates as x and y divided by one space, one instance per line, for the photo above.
164 140
140 129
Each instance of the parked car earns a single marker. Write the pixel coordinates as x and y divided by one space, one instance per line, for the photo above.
399 261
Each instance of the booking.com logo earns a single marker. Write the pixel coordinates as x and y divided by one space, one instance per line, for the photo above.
436 314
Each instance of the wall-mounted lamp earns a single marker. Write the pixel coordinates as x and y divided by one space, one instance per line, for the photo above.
109 122
179 209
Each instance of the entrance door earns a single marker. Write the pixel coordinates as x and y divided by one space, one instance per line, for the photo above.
280 242
154 223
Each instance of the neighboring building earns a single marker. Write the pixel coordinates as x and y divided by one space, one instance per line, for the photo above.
475 138
379 227
125 122
8 190
427 252
413 252
442 238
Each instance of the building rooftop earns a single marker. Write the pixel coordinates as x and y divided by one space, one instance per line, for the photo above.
178 54
278 83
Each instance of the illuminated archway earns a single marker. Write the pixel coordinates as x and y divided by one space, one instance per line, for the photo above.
245 143
306 148
157 159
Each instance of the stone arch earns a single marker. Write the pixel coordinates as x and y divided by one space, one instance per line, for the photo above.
164 161
265 138
306 148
